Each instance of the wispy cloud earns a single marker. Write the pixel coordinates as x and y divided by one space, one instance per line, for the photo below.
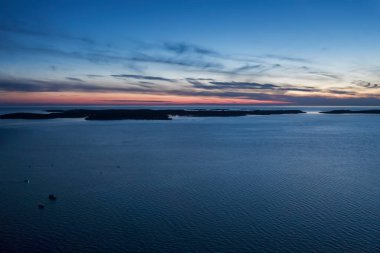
186 48
74 79
198 81
241 85
94 76
23 30
365 84
142 77
324 74
247 67
108 56
286 58
251 91
341 92
134 101
141 55
215 85
49 86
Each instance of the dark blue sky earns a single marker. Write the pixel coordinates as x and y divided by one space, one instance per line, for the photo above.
284 51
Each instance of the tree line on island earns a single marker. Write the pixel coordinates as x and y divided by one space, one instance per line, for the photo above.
150 114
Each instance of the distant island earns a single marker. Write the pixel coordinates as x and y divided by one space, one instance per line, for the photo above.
374 111
141 114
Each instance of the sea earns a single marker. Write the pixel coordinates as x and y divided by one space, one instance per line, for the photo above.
277 183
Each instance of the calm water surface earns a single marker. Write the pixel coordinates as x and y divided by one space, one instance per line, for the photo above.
280 183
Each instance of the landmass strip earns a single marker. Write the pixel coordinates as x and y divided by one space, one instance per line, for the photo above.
141 114
352 112
150 114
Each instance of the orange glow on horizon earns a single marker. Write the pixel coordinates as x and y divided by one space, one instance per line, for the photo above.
71 98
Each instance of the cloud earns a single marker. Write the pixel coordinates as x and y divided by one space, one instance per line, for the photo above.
247 67
342 92
48 86
214 85
94 76
142 77
328 101
23 30
258 92
134 101
96 52
267 87
266 68
308 100
74 79
241 85
365 84
305 89
286 58
324 74
107 56
197 81
177 61
186 48
138 54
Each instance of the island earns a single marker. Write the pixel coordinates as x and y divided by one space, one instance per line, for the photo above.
141 114
373 111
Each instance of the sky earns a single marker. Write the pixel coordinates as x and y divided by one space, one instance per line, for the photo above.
259 52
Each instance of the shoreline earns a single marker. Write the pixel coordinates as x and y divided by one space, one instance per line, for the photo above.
160 114
141 114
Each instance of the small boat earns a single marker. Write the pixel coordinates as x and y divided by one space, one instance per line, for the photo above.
41 206
52 197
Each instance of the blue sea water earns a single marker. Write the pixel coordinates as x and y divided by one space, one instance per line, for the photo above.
279 183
